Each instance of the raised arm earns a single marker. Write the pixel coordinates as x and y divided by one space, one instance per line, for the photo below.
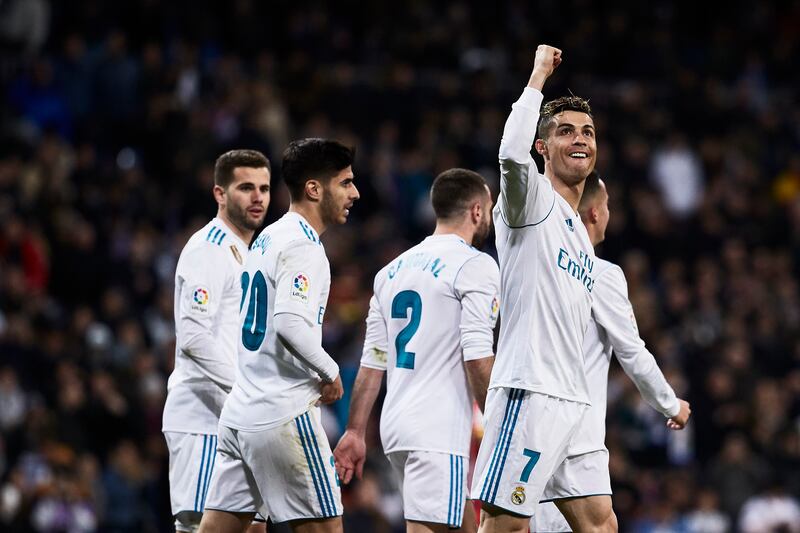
613 311
520 180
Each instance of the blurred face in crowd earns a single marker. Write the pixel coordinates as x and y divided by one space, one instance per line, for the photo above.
246 199
338 195
570 148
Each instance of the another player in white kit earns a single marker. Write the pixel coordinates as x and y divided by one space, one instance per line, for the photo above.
272 452
430 329
207 299
538 391
612 329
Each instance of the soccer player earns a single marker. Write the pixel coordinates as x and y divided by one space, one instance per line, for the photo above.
430 328
273 453
207 296
538 391
612 328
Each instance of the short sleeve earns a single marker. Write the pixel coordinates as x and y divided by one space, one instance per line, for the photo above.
302 280
376 343
477 286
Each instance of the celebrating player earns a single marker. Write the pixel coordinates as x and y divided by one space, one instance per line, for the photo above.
538 391
273 453
612 328
430 327
207 296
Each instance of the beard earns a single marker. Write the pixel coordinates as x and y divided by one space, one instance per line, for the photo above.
238 216
481 233
329 210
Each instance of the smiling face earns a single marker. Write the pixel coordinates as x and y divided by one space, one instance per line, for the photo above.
339 194
570 148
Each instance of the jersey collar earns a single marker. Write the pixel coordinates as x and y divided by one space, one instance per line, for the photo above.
238 241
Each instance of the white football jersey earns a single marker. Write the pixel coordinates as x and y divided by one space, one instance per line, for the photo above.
286 271
434 307
547 267
207 296
612 328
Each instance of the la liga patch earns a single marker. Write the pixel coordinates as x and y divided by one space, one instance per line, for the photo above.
301 284
200 299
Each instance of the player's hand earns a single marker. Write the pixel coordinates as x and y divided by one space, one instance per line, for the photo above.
680 420
349 455
330 392
548 58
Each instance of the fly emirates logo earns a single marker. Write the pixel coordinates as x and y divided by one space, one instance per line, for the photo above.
580 270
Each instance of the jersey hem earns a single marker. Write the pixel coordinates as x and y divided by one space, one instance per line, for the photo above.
428 450
569 398
271 425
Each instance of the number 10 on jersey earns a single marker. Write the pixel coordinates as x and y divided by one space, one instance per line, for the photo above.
254 328
402 303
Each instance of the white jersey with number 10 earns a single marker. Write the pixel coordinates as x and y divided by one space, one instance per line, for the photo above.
286 271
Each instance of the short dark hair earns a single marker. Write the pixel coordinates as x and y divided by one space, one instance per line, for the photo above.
453 190
313 159
591 189
230 161
559 105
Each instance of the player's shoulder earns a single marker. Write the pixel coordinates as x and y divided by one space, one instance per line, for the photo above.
604 266
608 273
293 231
208 241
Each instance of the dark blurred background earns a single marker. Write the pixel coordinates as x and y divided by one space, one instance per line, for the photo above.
114 112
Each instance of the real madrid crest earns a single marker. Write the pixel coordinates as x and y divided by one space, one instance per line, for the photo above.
236 253
518 496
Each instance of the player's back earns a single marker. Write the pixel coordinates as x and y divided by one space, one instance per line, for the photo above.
206 296
428 404
272 385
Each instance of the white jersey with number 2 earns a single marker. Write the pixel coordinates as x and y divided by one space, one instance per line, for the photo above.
434 307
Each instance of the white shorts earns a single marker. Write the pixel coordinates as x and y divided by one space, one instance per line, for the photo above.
525 441
285 472
433 486
191 461
580 475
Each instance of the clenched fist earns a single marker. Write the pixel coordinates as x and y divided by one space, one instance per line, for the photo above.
547 60
330 392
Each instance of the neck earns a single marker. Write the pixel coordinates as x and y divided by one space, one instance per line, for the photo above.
311 214
594 235
243 233
571 193
460 229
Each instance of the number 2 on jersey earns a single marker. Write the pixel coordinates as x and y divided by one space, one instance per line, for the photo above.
404 301
254 328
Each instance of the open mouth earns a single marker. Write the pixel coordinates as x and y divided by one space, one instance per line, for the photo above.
579 155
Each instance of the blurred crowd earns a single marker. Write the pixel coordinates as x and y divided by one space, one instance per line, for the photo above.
114 112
